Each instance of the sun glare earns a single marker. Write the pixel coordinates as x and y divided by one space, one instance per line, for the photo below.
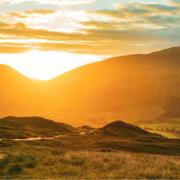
45 65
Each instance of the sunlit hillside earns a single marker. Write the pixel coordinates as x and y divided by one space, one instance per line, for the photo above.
136 88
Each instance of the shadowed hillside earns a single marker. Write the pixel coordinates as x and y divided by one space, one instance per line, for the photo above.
120 128
27 127
137 88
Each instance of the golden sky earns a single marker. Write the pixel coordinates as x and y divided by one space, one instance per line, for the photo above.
93 28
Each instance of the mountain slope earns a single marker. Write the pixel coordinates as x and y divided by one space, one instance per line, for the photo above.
137 88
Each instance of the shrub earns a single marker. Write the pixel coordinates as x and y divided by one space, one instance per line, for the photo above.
3 163
15 169
14 164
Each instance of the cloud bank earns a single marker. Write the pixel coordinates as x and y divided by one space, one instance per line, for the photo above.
126 27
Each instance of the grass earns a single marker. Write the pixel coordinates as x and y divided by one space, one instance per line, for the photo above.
169 130
14 164
52 163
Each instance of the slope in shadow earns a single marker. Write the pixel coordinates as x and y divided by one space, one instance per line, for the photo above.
120 128
25 127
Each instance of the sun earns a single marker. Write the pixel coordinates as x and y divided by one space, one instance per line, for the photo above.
41 65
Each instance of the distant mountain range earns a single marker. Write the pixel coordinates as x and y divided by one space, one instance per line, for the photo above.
140 88
115 136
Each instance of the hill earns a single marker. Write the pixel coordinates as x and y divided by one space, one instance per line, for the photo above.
28 127
138 88
16 132
119 135
122 129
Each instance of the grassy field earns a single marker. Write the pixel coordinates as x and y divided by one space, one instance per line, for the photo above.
49 162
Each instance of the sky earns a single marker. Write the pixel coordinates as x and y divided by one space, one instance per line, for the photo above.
84 30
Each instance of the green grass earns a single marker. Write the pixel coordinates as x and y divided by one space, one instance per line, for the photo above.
44 162
169 130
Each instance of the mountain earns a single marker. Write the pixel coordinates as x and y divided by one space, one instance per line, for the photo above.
138 88
28 127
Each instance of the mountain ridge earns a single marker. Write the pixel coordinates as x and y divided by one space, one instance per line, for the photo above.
174 49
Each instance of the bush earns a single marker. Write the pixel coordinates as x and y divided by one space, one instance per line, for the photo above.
30 164
15 169
14 164
3 163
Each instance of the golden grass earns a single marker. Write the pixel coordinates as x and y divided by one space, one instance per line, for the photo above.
90 165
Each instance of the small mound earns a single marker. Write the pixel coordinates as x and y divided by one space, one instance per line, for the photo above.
86 130
120 128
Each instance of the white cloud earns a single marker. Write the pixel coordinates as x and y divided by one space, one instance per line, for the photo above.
62 21
52 2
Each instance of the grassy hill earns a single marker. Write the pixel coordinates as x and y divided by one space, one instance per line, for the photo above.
115 136
119 135
122 129
26 127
